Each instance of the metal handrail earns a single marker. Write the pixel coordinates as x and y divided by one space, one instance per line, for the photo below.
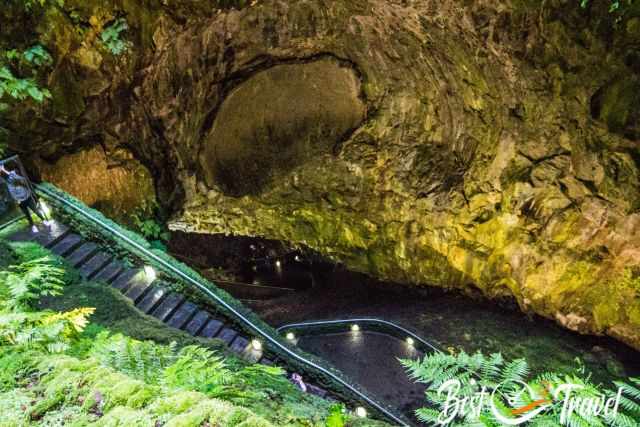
360 321
11 222
259 331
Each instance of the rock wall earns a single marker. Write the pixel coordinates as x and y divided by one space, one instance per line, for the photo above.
119 189
479 164
485 146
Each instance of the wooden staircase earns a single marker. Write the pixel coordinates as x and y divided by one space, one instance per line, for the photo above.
149 295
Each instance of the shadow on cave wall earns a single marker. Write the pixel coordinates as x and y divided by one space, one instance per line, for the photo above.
279 118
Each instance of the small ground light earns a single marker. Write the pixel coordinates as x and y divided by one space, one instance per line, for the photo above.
410 341
256 345
361 412
297 258
355 328
45 208
290 336
150 272
278 264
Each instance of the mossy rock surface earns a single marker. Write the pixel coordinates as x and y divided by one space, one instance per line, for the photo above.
278 119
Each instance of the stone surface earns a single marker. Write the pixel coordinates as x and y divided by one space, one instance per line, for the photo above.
476 172
116 187
278 119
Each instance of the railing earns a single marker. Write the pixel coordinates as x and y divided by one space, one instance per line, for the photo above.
11 222
385 326
259 331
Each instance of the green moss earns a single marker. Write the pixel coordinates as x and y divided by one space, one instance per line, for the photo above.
607 313
125 417
619 103
213 411
7 255
178 403
66 381
575 276
12 404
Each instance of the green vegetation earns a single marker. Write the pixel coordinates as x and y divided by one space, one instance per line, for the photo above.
57 369
450 378
148 224
21 88
111 37
616 5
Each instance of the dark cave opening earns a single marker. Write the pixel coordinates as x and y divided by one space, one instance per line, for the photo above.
450 320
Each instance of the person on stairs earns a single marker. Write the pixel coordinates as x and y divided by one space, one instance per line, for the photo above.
20 191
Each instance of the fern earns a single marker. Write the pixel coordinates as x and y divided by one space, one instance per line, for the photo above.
337 416
474 372
25 283
144 360
111 39
51 332
199 369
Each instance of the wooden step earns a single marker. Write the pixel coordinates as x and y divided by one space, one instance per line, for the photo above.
320 392
198 322
171 308
109 273
167 307
67 245
82 254
239 345
49 236
99 261
125 279
152 299
138 289
211 329
227 335
266 361
182 316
